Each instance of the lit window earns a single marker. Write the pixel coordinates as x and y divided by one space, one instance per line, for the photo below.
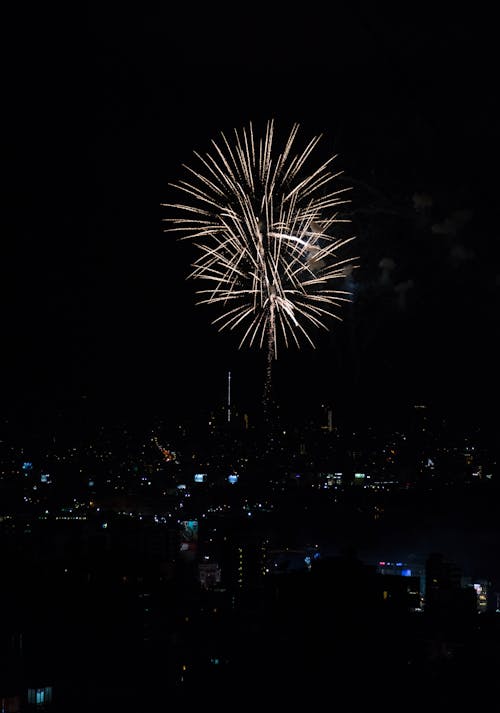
40 696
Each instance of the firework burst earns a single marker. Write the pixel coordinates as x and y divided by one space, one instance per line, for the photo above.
264 222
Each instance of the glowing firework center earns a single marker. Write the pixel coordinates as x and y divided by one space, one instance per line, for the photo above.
263 225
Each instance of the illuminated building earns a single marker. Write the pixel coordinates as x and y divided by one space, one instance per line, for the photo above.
244 562
330 480
404 569
481 589
39 698
189 540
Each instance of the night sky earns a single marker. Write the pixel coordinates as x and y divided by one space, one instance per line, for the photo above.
97 314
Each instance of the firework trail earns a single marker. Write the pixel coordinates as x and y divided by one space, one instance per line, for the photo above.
262 222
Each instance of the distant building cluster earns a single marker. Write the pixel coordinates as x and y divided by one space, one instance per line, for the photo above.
195 538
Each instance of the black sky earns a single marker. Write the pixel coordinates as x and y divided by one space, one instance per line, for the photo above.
96 307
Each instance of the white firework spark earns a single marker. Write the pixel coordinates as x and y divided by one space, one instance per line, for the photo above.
262 223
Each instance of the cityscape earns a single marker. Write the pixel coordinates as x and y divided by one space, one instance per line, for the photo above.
250 294
188 561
